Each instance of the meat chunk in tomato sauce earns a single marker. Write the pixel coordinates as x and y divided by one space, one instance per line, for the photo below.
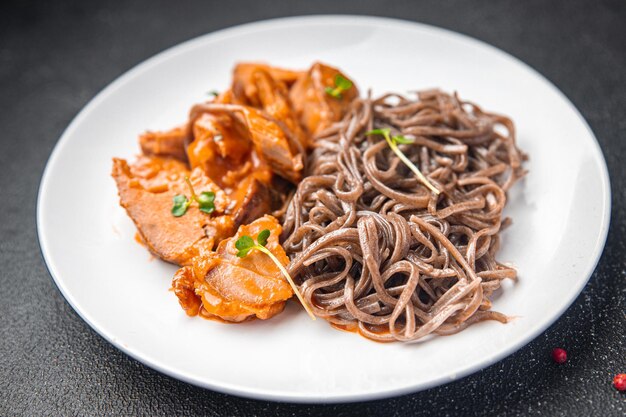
146 189
272 144
220 285
316 109
223 149
170 143
258 86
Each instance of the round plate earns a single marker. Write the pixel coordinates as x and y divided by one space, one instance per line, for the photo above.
560 214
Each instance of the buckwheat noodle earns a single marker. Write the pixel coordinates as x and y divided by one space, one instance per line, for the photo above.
373 249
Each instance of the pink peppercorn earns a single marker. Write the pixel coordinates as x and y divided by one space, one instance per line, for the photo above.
619 382
559 355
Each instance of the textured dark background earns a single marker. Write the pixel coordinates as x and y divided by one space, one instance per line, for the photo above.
55 57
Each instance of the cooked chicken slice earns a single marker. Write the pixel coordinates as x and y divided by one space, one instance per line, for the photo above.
170 143
220 285
146 190
246 69
273 144
223 149
270 141
288 77
315 108
255 86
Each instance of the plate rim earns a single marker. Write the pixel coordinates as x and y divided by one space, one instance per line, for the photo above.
251 27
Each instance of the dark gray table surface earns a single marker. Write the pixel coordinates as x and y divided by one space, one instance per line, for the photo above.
55 56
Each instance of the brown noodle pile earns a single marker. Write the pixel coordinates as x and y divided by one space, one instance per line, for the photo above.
373 249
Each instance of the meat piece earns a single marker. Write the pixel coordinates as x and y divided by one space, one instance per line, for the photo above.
220 285
170 143
226 97
255 86
220 137
146 190
245 70
284 76
223 149
252 200
273 144
316 109
184 286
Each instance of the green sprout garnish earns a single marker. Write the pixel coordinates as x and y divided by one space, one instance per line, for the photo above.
205 201
181 204
341 84
245 244
393 142
263 236
213 93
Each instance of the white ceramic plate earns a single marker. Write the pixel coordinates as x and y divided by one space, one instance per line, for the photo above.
560 212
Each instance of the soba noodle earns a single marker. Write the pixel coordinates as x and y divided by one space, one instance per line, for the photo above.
373 249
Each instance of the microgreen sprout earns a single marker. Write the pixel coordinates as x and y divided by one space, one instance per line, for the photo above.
393 142
341 84
205 201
